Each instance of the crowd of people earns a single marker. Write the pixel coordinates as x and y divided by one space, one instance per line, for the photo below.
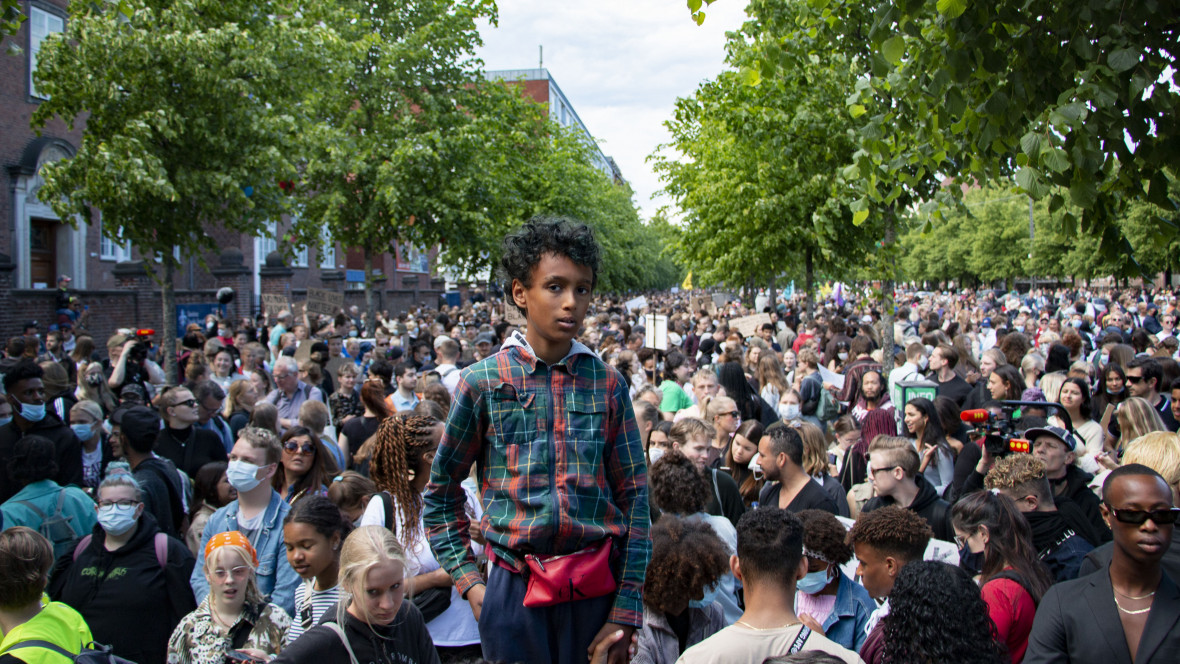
442 485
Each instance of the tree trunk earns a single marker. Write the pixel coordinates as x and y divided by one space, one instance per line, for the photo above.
772 294
887 340
370 307
809 283
168 341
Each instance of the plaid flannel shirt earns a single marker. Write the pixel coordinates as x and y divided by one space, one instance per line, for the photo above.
561 466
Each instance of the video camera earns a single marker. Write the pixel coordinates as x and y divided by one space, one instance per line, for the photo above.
143 345
1001 432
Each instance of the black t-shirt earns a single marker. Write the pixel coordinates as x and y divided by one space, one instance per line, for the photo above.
358 430
811 497
956 389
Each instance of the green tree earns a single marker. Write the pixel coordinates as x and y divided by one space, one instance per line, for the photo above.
757 167
186 105
1078 106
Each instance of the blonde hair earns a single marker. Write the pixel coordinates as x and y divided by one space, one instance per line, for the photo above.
717 406
815 457
1137 418
1051 386
253 594
897 451
1158 450
363 549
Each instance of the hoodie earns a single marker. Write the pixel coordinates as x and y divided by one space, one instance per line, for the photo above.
128 601
1075 486
927 505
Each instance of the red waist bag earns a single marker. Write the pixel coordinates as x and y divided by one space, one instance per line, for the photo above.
574 576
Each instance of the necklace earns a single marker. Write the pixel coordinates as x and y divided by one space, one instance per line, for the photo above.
764 629
1130 612
1132 596
221 621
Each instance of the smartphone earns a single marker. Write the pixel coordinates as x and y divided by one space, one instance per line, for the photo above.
831 457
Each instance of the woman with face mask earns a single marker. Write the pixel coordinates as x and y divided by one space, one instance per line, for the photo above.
128 580
234 617
86 421
827 600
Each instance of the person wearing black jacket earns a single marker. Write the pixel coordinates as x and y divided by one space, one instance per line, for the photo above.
788 486
115 580
1061 534
25 392
181 441
161 486
893 470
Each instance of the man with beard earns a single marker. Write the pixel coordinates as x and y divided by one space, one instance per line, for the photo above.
788 486
942 364
862 362
872 396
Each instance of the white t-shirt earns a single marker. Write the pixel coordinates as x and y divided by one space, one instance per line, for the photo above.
456 626
740 644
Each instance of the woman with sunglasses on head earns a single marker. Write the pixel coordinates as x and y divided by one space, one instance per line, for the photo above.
235 621
306 466
723 413
989 526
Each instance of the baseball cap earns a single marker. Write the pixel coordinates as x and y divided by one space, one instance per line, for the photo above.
485 338
987 322
138 423
64 277
1057 432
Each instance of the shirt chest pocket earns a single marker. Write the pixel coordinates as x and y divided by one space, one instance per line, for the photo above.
515 442
586 425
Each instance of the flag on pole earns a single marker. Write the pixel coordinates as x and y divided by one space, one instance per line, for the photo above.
687 285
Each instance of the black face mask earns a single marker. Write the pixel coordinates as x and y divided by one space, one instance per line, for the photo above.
972 563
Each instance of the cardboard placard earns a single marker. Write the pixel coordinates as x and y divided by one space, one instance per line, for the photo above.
721 299
298 309
655 334
320 301
636 303
748 326
273 304
512 315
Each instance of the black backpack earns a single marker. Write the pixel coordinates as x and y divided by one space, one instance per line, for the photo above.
95 653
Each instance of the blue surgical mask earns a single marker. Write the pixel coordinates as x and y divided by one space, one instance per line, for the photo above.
82 431
352 333
711 593
32 412
813 582
116 520
5 420
242 475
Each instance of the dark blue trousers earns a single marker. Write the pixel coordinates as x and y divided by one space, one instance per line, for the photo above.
559 634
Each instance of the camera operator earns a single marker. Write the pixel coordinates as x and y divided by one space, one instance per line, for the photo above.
127 363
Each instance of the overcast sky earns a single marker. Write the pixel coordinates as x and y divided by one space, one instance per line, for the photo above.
621 63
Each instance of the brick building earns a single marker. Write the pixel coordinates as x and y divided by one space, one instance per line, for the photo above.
36 246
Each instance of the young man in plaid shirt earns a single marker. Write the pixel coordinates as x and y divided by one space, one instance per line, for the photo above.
560 463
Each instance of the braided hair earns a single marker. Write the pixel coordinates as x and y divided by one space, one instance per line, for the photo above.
398 447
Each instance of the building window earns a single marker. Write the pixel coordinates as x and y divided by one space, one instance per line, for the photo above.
300 259
327 252
41 25
267 243
112 250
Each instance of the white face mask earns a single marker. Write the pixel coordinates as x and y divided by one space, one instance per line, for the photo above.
788 411
655 453
842 356
242 475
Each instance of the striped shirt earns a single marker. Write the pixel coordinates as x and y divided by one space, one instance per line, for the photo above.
561 466
310 606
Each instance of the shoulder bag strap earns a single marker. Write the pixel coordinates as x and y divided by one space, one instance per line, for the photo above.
343 639
801 639
38 643
41 515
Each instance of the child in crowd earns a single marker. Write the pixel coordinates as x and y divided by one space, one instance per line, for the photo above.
312 534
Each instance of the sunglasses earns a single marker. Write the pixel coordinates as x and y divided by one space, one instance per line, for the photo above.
188 402
295 448
733 413
1135 379
1162 517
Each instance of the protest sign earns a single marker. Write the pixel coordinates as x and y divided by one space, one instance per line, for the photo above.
273 304
655 335
636 303
320 301
748 326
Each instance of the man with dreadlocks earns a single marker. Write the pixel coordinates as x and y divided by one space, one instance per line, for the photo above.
403 449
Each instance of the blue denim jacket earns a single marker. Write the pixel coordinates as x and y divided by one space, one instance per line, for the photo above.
846 623
275 575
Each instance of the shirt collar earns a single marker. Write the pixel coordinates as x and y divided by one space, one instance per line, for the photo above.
518 340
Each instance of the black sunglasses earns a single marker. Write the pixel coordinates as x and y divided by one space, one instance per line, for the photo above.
1161 517
187 402
294 447
1135 379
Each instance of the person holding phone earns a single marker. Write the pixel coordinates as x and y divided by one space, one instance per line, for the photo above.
234 623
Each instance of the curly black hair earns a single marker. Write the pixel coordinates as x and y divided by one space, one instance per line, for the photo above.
893 530
321 514
23 370
937 614
686 557
675 485
542 235
824 535
770 546
33 459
